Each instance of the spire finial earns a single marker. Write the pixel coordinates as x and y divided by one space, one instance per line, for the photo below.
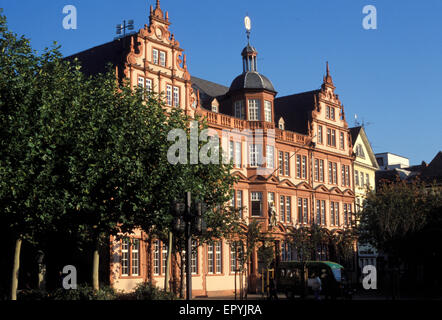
328 70
158 3
248 25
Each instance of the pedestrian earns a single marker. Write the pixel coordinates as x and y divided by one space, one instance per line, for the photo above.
316 286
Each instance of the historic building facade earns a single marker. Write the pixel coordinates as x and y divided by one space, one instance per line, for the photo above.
365 167
292 154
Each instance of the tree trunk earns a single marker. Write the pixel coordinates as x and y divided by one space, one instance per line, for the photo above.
169 256
15 269
181 275
96 265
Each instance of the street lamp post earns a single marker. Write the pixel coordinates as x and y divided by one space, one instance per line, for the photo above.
189 218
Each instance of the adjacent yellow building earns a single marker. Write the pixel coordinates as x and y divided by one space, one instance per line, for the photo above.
364 168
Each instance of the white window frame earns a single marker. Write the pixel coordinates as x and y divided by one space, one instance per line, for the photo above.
125 243
270 156
238 154
176 96
254 106
162 58
267 111
169 95
155 56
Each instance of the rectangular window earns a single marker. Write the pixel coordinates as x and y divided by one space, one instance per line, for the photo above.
332 213
155 56
255 155
140 82
163 258
135 253
239 109
282 208
304 167
162 58
270 157
125 257
335 173
256 199
362 179
267 111
238 155
343 179
288 209
305 207
271 198
318 212
218 257
176 96
327 114
316 169
330 172
332 115
149 85
299 210
321 170
286 164
210 259
357 177
329 137
298 166
320 135
231 150
239 202
281 162
337 213
367 180
194 266
169 95
323 221
156 258
236 253
347 175
341 140
333 138
254 110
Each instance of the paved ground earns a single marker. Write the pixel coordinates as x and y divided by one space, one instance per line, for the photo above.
369 295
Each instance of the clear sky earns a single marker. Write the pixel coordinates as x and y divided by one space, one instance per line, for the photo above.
390 77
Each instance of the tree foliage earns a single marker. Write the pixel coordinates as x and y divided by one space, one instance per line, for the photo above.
399 216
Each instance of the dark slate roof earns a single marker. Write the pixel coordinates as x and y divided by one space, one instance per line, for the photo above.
208 90
251 80
296 110
95 60
248 49
434 170
354 132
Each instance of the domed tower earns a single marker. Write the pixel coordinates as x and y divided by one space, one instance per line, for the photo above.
252 94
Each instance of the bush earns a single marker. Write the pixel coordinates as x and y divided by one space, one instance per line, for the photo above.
32 295
148 291
84 292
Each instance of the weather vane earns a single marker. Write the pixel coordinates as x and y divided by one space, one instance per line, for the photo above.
248 25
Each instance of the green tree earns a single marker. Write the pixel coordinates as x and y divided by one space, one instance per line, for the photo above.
396 212
30 194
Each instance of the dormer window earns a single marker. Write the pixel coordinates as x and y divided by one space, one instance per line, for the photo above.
215 106
281 124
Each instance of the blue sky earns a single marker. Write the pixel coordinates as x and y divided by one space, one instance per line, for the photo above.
390 77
